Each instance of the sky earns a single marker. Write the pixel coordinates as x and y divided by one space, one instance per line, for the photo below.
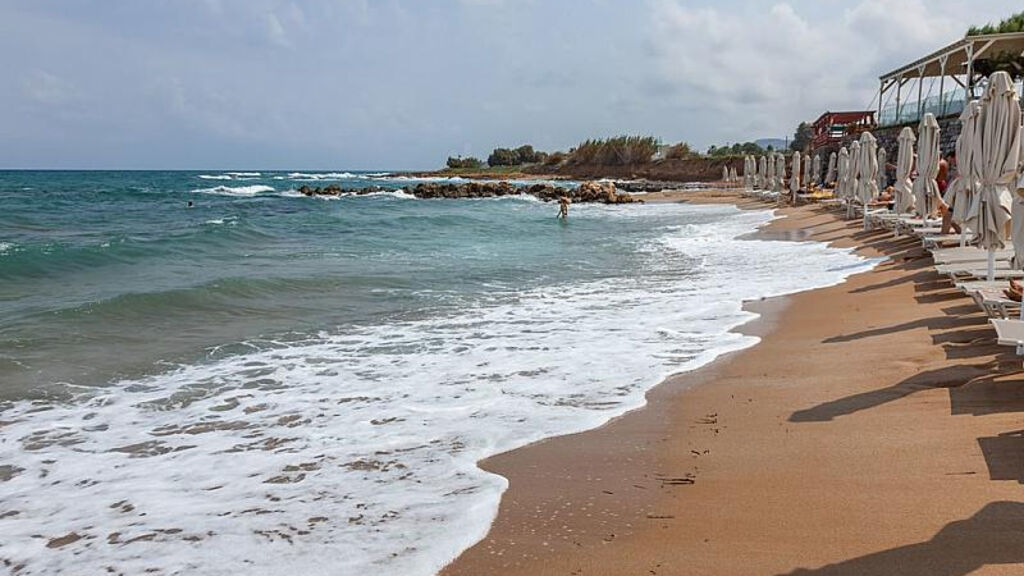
403 84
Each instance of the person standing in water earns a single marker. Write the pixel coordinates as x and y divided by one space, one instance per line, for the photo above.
563 207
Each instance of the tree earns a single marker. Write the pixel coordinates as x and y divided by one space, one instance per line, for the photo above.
1014 23
802 138
503 157
460 162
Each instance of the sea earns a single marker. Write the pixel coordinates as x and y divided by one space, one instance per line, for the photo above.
266 382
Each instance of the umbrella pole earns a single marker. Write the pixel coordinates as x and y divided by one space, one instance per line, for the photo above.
963 235
991 265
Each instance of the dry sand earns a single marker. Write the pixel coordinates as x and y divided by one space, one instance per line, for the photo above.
874 430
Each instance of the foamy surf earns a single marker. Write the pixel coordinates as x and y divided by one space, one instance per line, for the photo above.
355 450
236 190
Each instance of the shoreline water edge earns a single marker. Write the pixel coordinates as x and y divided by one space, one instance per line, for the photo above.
254 406
853 439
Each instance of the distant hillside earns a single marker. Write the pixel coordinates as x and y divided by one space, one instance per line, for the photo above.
775 143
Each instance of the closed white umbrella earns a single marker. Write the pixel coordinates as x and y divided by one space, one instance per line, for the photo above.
733 177
808 172
794 179
966 184
996 160
853 179
725 174
832 173
816 176
926 188
843 172
883 172
904 168
868 184
780 172
769 164
762 170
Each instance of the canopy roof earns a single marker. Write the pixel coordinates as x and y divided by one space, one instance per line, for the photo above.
958 54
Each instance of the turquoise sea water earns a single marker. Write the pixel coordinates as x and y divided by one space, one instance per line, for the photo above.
264 378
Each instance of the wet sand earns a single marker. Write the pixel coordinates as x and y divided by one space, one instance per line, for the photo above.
876 429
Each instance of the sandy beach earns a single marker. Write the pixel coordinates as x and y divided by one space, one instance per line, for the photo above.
874 430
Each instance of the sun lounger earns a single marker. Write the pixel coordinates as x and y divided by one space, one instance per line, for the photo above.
934 241
1009 333
995 304
967 254
978 271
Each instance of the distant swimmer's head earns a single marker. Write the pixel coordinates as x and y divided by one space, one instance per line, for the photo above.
190 204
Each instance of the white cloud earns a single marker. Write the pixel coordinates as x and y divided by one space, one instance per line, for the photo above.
45 88
766 68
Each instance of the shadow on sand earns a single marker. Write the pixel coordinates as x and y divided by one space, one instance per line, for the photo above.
992 536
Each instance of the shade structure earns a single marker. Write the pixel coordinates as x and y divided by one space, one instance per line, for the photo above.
833 169
883 171
769 174
853 178
995 159
867 186
816 172
808 178
794 178
926 188
962 192
762 170
904 168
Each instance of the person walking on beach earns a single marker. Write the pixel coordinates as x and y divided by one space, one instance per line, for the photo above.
563 207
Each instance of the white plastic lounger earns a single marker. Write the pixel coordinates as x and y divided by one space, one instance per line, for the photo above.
995 304
981 273
1009 333
967 254
935 241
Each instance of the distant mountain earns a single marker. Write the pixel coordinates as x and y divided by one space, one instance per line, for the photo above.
775 143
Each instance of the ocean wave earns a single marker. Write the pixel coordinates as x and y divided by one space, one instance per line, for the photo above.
6 247
245 174
244 191
322 176
364 442
214 177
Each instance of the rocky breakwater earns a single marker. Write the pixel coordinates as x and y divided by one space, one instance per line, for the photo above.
587 192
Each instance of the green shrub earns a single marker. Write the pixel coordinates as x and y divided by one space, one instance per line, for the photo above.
460 162
618 151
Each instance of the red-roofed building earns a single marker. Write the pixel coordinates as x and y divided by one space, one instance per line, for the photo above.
831 127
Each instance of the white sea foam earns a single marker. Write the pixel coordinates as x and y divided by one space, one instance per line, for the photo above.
245 191
245 174
214 177
354 452
322 176
6 247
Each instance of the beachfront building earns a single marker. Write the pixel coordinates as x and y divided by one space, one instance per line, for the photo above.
941 82
832 127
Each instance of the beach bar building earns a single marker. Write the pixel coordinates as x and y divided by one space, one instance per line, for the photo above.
833 127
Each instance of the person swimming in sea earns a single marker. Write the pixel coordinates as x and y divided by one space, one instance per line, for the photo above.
190 204
563 207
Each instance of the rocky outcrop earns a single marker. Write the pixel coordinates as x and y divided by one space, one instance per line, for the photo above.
587 192
335 190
